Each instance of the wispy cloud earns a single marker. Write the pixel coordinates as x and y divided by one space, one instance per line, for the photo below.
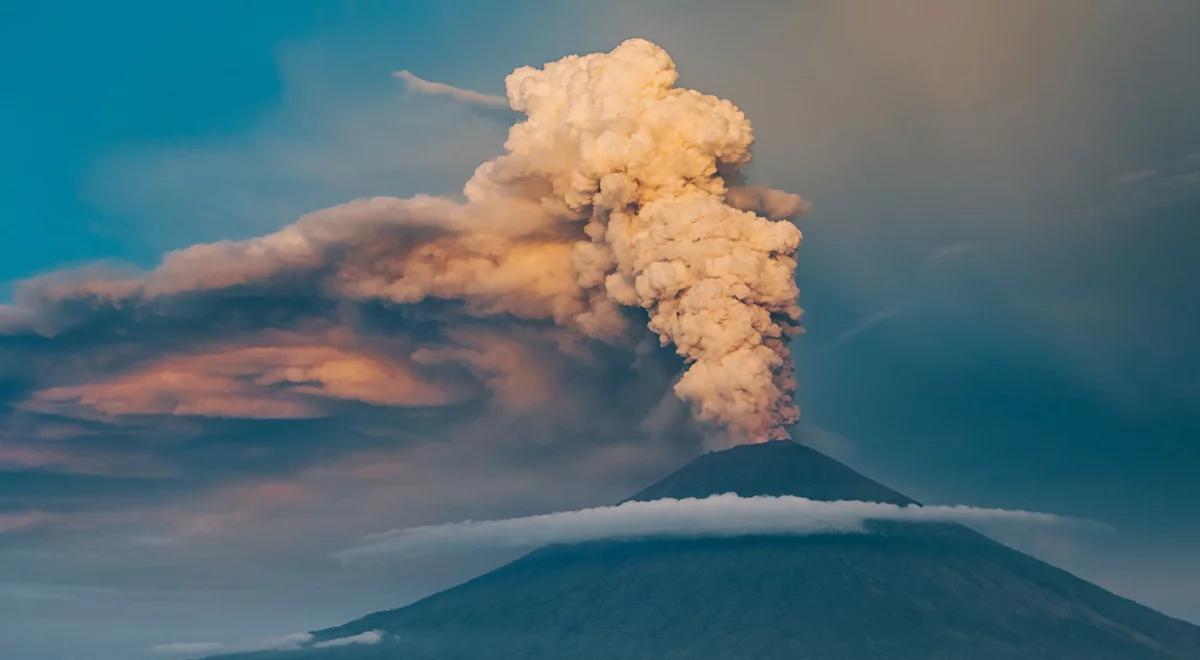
717 515
864 324
264 382
289 642
369 637
953 250
468 96
17 454
1127 178
16 522
186 648
1175 174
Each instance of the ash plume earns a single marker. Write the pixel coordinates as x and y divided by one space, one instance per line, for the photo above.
609 198
608 140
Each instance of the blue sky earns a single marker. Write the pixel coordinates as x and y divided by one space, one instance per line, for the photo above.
998 277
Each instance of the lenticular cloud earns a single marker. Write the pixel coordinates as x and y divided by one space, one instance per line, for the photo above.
716 515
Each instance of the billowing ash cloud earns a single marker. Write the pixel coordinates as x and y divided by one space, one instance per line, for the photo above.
607 214
716 515
611 142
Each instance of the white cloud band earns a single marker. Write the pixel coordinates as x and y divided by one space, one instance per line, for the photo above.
717 515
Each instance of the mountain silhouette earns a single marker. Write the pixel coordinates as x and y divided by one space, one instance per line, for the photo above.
904 590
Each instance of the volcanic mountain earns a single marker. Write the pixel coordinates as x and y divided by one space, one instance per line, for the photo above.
904 590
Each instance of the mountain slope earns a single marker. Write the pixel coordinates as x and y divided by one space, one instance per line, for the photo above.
904 591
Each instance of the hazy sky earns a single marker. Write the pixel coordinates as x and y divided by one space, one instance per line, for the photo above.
998 276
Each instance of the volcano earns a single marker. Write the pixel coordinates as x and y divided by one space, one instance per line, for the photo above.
904 590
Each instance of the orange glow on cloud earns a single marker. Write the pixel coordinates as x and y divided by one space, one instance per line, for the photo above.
262 382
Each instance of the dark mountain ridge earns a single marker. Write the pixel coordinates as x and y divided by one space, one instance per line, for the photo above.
905 591
772 468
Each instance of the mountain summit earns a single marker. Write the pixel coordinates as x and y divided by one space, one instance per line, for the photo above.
907 591
773 468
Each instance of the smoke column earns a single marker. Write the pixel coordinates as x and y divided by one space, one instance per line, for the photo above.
610 142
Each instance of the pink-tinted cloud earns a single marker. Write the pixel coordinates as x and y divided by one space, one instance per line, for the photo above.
492 255
233 508
47 457
507 367
15 522
261 382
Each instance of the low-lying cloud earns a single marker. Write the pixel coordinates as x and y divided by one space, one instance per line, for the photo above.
369 637
289 642
717 515
186 648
